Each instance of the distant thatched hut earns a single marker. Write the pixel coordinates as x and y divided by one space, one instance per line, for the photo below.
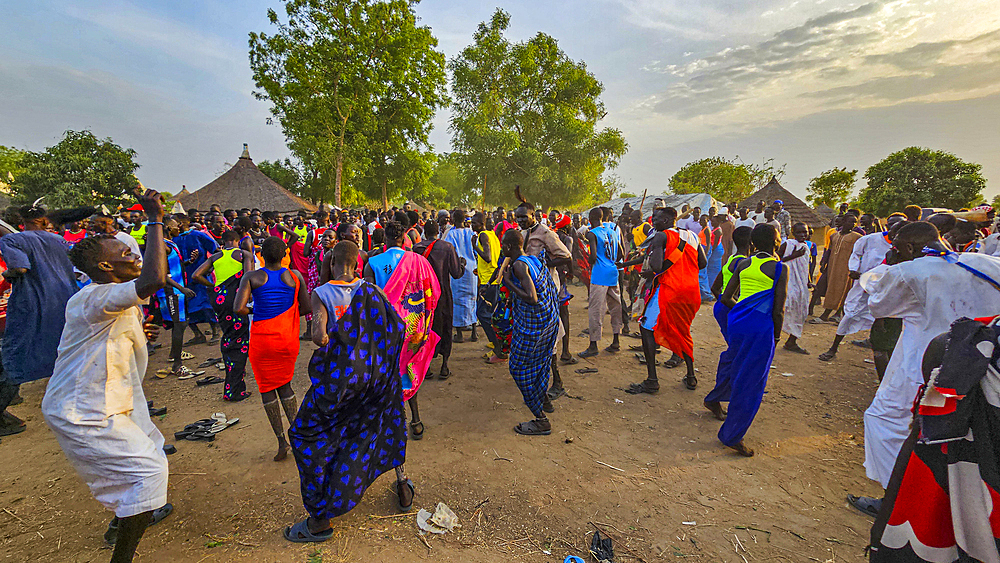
244 185
795 206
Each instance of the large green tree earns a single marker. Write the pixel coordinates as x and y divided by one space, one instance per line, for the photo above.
284 172
920 176
831 187
79 170
11 164
525 113
352 82
724 179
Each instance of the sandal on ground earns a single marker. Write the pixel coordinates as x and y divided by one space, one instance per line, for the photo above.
691 382
209 362
413 430
584 371
158 411
445 374
162 373
796 348
635 347
183 373
570 361
819 321
640 388
742 449
716 408
399 496
588 353
184 356
673 362
496 360
867 505
613 349
555 392
532 428
826 357
642 360
299 533
210 380
11 425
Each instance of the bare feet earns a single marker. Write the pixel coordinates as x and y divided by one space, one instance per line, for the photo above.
742 449
794 347
282 451
716 408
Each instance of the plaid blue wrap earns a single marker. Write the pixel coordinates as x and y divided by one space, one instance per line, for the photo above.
536 328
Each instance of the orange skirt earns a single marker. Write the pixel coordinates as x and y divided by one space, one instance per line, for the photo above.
274 348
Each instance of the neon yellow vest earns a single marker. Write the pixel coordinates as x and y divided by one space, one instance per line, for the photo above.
486 269
226 266
753 280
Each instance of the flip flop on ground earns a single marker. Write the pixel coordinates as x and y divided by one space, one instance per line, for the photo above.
299 533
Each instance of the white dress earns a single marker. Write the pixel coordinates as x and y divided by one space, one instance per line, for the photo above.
928 294
94 402
797 297
869 251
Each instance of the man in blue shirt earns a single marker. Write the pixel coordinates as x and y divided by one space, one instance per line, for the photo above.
604 294
195 247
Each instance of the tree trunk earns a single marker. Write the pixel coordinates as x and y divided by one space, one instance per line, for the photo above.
385 199
338 174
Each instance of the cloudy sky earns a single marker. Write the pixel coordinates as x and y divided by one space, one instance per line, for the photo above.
812 84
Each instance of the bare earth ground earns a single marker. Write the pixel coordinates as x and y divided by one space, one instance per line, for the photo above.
672 491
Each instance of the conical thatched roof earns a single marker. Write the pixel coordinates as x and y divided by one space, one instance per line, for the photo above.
244 185
183 193
797 208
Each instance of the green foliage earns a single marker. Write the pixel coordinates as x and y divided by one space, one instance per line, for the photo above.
354 84
11 161
831 187
725 180
525 113
920 176
627 194
995 202
80 170
284 172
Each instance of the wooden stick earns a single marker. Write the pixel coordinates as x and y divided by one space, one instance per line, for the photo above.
189 473
421 536
641 203
19 519
393 516
610 466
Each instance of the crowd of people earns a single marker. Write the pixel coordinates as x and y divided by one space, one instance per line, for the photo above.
384 292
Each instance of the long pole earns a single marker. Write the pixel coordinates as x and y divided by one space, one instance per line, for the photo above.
641 212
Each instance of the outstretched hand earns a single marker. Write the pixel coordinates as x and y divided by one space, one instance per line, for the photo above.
151 201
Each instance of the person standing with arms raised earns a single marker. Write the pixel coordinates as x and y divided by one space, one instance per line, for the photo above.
94 401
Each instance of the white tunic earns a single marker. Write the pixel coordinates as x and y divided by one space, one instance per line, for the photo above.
990 245
797 297
928 294
869 251
94 402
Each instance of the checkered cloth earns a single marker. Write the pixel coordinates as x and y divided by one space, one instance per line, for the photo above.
536 328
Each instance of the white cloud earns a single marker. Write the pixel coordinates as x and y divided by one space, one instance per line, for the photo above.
869 55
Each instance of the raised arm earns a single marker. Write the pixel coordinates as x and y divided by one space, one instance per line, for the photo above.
200 275
154 265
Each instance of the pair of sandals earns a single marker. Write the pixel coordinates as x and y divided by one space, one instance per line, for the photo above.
300 533
210 380
205 429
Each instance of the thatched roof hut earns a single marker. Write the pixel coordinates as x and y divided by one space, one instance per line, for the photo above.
797 208
244 185
704 201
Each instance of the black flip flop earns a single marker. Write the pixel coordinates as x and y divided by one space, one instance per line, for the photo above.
159 411
867 505
639 389
586 370
399 497
687 382
413 430
588 353
530 428
111 536
209 362
568 362
299 533
673 362
635 347
210 380
555 392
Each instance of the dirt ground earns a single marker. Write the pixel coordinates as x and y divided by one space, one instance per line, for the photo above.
649 471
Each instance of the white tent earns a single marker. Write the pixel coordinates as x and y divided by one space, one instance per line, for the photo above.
704 201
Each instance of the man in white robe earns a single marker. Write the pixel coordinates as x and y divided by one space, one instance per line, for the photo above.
869 251
795 255
928 293
94 402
